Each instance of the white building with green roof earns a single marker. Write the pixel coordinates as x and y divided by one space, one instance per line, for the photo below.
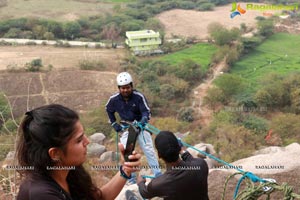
143 42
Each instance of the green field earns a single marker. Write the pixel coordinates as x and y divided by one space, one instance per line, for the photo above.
200 53
280 53
57 9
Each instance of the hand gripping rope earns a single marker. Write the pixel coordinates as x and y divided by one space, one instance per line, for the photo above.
252 192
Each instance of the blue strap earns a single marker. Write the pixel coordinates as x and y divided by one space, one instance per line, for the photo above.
146 176
249 175
117 145
142 128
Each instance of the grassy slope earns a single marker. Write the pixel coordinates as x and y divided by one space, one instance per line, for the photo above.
200 53
56 9
280 53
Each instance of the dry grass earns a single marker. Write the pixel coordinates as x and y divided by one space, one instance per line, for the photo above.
57 10
58 57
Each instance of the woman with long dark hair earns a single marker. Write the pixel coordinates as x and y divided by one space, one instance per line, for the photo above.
53 145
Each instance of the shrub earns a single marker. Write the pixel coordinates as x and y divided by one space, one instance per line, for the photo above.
287 126
30 43
91 65
186 114
257 124
34 66
206 6
189 71
242 142
170 124
167 91
13 33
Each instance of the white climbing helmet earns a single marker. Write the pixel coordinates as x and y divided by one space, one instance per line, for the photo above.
124 78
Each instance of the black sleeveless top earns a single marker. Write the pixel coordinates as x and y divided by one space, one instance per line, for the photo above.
38 187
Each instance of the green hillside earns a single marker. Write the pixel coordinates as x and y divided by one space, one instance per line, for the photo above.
200 53
280 53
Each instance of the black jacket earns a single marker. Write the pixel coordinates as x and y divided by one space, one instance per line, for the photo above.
134 109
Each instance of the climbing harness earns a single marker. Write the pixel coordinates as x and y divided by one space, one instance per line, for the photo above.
125 125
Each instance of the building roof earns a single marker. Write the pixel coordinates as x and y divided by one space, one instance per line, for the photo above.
141 34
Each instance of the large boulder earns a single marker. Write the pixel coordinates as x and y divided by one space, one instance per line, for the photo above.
95 150
279 163
97 138
272 160
207 148
108 156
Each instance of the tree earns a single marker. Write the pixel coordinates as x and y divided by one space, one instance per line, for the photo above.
295 100
273 92
237 137
72 30
221 35
287 126
230 85
263 98
111 32
39 31
250 43
132 25
214 97
189 71
265 27
153 24
55 28
48 36
13 33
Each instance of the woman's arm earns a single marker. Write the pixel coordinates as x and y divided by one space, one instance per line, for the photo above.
111 190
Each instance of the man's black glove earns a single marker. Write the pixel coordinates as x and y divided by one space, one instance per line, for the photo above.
117 127
144 121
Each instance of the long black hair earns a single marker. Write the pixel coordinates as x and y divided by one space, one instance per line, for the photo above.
46 127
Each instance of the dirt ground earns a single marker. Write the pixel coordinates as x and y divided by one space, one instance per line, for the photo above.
58 57
194 23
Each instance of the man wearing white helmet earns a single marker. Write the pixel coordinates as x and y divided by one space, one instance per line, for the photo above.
132 105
